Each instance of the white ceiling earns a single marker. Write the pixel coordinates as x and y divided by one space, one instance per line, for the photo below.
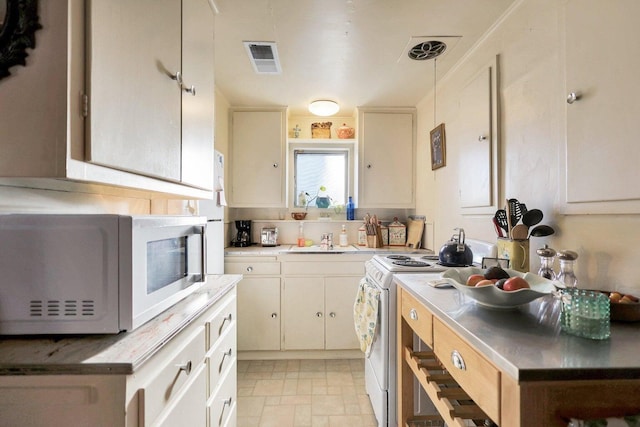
350 51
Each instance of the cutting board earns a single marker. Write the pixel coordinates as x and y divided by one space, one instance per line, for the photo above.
415 227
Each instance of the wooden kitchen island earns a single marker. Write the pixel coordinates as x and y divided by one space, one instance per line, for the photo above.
513 367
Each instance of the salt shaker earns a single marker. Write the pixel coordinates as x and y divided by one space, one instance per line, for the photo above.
547 256
567 276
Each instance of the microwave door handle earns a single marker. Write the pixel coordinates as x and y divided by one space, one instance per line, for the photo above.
203 253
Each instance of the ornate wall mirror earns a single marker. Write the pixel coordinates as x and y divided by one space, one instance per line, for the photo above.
18 25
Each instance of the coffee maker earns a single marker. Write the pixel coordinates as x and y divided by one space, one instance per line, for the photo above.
243 238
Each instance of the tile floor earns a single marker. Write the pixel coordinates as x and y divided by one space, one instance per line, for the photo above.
301 393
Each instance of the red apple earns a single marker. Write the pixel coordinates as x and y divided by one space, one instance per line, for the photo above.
485 282
515 283
474 278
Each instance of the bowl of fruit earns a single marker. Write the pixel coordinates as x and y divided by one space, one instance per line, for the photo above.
624 307
496 287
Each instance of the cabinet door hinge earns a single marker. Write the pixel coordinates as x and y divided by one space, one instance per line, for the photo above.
85 105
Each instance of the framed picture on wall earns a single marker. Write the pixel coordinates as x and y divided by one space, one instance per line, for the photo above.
438 147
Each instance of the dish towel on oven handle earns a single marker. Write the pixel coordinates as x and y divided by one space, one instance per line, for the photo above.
365 314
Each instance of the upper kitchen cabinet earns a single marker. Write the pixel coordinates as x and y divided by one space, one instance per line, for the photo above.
386 165
117 93
475 132
602 106
257 152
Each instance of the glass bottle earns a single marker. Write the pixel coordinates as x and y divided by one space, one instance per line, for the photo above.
567 275
547 256
344 241
351 214
301 235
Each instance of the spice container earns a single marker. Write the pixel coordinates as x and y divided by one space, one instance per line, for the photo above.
567 275
547 255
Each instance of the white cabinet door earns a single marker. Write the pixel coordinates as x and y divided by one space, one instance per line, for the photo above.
259 313
134 117
258 158
198 93
387 158
339 296
602 67
304 312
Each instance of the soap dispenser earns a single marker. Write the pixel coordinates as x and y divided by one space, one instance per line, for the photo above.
344 241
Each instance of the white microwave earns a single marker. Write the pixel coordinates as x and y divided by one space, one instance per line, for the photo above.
95 274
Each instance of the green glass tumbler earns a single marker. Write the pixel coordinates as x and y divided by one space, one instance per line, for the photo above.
585 314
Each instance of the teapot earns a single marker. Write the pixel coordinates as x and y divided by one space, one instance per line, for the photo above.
455 253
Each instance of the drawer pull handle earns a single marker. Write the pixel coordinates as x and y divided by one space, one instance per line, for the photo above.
227 353
186 367
227 318
458 361
413 314
249 269
274 315
225 403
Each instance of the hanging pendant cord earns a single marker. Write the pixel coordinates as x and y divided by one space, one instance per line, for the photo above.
435 60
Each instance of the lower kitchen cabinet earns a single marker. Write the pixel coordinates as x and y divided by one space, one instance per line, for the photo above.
191 378
258 301
318 313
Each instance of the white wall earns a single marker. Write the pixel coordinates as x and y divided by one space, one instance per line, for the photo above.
532 102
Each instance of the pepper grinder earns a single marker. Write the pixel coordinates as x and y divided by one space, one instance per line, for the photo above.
567 276
547 256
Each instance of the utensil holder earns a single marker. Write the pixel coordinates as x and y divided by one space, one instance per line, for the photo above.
516 251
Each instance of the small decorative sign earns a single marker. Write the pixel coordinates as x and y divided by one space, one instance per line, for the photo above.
438 145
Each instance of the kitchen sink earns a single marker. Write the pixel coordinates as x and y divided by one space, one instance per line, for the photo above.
317 249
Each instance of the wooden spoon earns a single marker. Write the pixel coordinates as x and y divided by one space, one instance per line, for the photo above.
520 232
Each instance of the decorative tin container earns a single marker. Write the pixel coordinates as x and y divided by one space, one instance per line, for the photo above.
321 130
397 233
345 132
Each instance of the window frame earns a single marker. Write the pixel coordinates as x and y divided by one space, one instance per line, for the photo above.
313 146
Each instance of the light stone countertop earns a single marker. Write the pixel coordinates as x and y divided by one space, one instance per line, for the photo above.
122 353
257 250
526 345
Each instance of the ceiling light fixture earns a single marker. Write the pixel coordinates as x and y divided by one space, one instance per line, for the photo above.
324 107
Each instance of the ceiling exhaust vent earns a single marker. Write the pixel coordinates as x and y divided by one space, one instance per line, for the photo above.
264 57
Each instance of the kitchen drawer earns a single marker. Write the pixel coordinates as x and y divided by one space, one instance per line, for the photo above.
417 317
249 268
171 377
222 404
323 268
223 319
222 356
187 409
479 378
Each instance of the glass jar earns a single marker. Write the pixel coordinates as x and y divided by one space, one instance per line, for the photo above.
547 256
567 275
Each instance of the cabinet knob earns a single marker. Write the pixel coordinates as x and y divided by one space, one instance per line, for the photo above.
458 361
274 315
186 367
332 314
191 90
573 97
319 314
413 314
177 77
249 269
482 138
369 166
276 165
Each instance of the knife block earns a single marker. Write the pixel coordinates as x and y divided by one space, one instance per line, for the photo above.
374 237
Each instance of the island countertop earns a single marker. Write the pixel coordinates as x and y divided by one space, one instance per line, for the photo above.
121 353
526 342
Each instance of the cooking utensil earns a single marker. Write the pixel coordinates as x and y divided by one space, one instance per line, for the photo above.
532 217
515 211
519 232
455 253
496 225
541 231
501 217
507 209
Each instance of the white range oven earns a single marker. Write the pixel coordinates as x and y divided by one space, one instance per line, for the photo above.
380 366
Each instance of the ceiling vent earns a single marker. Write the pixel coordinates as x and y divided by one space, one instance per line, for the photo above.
264 57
